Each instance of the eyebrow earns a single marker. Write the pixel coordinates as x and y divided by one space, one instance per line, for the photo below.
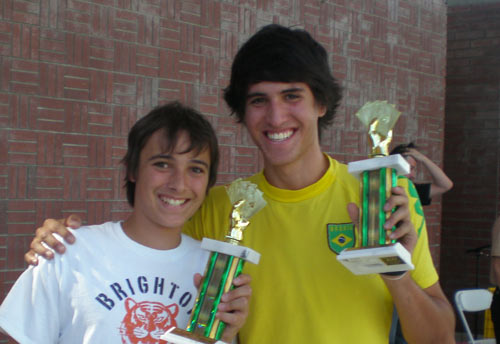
287 90
170 157
200 162
293 89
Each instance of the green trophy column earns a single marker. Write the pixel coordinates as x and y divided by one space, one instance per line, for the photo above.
221 271
375 190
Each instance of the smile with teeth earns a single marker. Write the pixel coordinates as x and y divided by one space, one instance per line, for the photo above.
279 136
171 201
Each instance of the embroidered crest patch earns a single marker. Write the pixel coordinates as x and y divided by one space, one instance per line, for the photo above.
340 236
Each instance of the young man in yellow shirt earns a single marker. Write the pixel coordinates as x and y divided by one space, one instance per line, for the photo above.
282 90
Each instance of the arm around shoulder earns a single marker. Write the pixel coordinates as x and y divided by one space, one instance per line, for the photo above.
44 235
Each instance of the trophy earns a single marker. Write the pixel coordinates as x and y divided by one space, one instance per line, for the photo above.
373 251
225 263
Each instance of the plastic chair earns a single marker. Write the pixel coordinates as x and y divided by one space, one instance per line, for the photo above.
473 300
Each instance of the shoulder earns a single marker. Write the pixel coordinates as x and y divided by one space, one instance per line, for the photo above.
212 219
90 239
216 203
197 256
414 203
409 186
216 194
342 175
209 219
190 242
92 232
343 170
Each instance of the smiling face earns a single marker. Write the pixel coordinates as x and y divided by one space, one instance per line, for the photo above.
282 119
169 188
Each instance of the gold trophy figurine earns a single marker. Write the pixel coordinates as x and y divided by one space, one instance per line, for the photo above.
373 251
224 265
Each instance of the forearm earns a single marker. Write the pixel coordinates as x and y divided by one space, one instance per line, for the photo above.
440 181
426 316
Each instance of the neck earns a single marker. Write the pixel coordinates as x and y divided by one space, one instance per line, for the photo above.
299 174
155 237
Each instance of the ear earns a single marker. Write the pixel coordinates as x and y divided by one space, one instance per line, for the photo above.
131 178
321 110
173 309
129 304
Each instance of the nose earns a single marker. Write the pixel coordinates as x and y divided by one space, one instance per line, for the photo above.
276 113
177 180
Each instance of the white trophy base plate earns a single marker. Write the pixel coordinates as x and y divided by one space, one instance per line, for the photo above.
233 250
375 260
175 335
391 161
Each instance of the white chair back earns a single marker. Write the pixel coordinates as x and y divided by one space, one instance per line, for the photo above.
473 300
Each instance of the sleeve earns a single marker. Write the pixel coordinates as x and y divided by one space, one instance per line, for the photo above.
29 313
425 273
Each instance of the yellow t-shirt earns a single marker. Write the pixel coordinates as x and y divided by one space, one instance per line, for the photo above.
301 293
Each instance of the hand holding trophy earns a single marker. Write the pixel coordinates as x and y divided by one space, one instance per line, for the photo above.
374 252
224 265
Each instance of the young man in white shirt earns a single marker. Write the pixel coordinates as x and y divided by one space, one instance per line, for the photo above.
130 281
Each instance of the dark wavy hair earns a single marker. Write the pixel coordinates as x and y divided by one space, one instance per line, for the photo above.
281 54
172 119
403 148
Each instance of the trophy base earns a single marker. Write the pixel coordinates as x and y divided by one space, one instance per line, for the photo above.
231 250
176 335
356 168
375 260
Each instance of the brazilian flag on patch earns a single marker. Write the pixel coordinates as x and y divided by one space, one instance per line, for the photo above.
340 236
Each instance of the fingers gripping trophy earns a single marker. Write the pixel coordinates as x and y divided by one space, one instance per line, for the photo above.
224 265
374 252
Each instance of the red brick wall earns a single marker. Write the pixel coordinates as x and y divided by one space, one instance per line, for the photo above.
74 76
472 150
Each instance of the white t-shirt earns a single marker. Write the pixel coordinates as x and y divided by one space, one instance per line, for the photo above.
106 289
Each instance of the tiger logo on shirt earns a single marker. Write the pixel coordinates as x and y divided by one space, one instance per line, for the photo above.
145 322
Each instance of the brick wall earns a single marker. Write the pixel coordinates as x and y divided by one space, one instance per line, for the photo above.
472 150
74 76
